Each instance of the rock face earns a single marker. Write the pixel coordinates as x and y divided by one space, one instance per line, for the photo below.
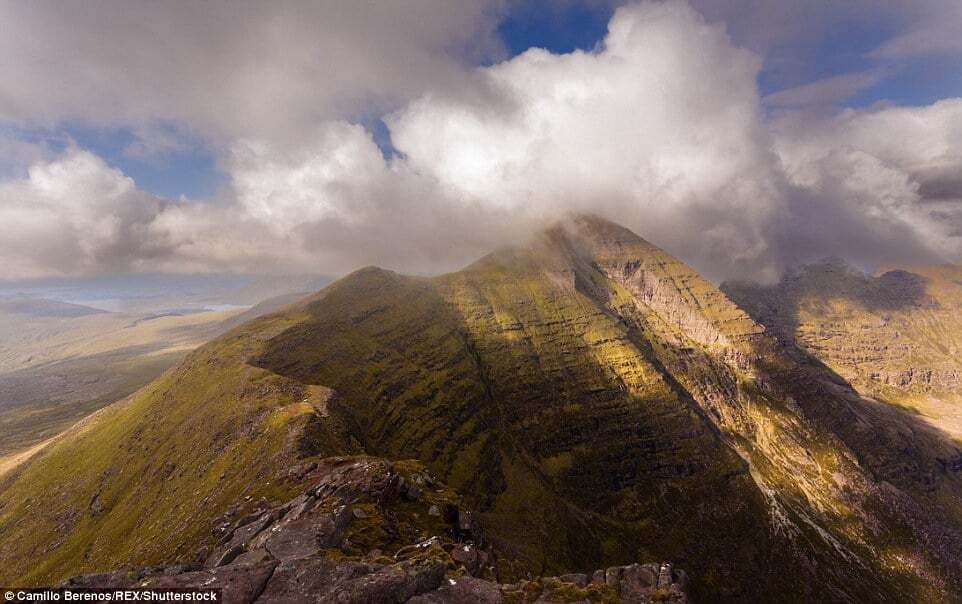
315 548
899 328
594 402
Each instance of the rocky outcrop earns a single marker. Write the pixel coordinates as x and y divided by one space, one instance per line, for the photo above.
897 329
593 400
371 531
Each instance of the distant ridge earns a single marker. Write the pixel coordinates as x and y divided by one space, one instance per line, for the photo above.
595 400
40 307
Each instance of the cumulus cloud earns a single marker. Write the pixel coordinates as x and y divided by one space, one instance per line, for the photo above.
661 127
76 215
331 206
891 174
925 143
229 68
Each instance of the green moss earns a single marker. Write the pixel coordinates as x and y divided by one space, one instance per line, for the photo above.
557 464
589 422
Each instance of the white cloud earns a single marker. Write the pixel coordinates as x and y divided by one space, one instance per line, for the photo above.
660 128
885 181
227 69
331 175
329 207
75 215
924 143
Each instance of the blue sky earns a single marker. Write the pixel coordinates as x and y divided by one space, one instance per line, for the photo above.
191 173
562 28
845 48
558 29
257 135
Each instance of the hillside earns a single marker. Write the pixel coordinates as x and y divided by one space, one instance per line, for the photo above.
594 399
896 336
60 362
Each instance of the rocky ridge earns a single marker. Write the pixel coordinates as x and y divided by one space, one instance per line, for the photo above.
370 531
894 335
593 399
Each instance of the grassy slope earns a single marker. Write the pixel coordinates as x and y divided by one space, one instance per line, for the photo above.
896 336
162 464
586 393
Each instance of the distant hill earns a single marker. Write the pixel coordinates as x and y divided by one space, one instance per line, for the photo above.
39 307
60 362
594 399
142 294
895 335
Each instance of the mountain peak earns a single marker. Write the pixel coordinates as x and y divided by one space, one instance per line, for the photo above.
594 399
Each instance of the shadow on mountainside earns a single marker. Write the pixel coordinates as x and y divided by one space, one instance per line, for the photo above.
778 306
917 453
917 466
569 470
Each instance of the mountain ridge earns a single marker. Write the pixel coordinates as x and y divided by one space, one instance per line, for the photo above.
593 397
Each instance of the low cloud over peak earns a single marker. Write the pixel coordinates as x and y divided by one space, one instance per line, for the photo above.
661 127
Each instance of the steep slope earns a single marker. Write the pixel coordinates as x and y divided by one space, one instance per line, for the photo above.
524 395
60 362
592 397
895 336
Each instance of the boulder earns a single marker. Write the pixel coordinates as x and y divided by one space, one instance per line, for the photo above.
321 580
462 590
241 583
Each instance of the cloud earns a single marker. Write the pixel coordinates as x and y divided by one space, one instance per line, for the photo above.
826 91
228 69
660 127
935 30
924 144
331 206
342 205
76 215
893 170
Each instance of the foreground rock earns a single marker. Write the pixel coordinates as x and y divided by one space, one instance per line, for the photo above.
371 531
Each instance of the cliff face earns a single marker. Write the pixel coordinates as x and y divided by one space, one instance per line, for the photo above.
895 336
592 398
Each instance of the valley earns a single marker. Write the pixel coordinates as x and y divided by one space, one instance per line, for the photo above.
591 398
60 362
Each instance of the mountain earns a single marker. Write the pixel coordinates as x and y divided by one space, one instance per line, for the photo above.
40 307
59 362
594 399
896 335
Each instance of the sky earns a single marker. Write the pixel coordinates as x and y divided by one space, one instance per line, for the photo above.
744 136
